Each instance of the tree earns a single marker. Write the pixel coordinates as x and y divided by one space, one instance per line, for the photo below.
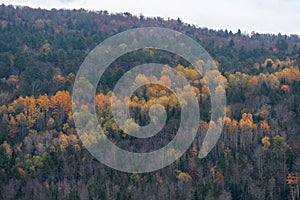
63 142
103 102
61 104
130 127
285 88
5 166
7 148
247 128
231 43
182 176
44 102
280 146
266 142
12 127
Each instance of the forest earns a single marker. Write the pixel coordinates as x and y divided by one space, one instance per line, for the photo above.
42 157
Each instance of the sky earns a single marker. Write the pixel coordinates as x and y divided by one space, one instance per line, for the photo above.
262 16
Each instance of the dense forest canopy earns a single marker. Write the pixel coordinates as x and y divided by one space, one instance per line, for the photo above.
41 156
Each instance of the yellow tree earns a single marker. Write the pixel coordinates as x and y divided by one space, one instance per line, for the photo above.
103 102
61 104
43 103
12 127
247 127
266 143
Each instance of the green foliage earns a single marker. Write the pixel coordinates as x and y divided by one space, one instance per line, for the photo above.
280 146
5 167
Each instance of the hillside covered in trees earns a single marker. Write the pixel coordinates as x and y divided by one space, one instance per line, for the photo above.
41 156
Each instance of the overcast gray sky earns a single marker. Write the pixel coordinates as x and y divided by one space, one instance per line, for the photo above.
263 16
